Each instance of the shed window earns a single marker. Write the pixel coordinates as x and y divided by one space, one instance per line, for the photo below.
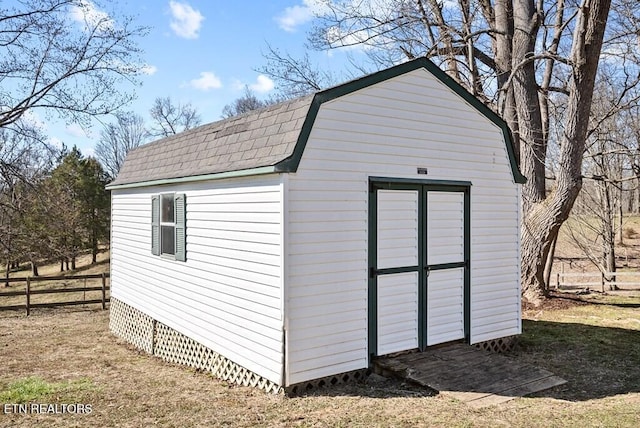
167 225
168 229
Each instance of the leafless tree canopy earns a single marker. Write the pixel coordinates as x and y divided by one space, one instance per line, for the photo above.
246 103
523 58
64 56
117 139
170 118
295 77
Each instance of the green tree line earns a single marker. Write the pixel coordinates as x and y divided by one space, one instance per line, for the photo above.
54 211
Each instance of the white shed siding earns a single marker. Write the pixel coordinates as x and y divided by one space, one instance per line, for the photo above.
228 294
397 228
388 130
445 227
397 312
445 306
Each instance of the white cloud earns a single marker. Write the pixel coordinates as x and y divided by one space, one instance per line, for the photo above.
56 142
295 16
237 84
148 69
76 130
186 21
32 118
206 81
263 84
89 16
350 40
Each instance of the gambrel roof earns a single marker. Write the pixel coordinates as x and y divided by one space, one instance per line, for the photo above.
266 140
259 138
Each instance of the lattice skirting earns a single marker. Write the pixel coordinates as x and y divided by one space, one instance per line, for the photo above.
329 381
158 339
132 325
503 344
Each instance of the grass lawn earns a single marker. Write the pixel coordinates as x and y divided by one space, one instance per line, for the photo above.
68 356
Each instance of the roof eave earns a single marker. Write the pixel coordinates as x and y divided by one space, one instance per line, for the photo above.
215 176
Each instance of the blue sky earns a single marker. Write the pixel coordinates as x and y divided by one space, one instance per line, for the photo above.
204 52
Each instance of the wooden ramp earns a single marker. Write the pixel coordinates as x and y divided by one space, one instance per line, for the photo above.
476 377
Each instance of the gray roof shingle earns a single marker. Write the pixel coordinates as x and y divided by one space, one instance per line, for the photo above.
259 138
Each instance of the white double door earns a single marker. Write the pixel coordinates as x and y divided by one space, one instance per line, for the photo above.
419 273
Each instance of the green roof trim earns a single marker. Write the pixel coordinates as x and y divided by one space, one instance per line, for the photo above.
291 163
216 176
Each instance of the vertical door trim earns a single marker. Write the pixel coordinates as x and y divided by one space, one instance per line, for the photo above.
422 186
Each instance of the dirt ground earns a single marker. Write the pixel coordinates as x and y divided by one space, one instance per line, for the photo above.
127 388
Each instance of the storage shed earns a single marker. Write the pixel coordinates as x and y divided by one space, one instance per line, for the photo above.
296 243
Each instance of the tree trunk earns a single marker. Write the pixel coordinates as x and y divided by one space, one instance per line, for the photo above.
620 219
62 265
608 231
527 103
503 46
94 245
548 267
6 273
638 200
73 262
543 218
34 268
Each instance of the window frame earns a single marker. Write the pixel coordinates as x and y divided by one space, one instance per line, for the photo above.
164 224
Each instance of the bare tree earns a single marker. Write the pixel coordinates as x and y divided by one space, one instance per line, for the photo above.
295 77
169 118
598 215
64 56
25 158
117 139
246 103
516 56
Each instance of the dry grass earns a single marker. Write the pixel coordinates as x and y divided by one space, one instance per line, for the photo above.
594 346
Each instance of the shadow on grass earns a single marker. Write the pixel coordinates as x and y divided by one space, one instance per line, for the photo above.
87 267
608 302
596 361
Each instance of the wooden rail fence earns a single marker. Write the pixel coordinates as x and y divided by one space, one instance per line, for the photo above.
28 292
601 279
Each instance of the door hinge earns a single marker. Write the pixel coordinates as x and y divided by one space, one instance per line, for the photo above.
372 272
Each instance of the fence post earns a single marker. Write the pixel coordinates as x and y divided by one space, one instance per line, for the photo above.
104 291
602 280
27 291
557 280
